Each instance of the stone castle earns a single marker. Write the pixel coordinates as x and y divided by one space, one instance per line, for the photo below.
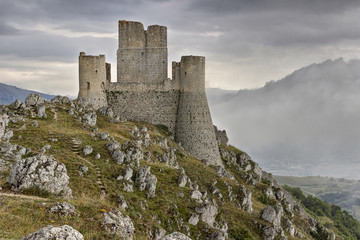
143 91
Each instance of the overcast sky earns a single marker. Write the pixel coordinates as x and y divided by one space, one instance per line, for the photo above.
246 42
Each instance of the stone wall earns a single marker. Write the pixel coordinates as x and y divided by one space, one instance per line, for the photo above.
155 106
194 128
142 56
94 78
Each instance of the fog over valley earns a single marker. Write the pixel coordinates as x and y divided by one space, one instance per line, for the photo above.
304 124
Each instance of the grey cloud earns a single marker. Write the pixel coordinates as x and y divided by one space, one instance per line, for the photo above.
234 6
6 30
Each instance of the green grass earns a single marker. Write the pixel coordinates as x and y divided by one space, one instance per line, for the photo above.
23 216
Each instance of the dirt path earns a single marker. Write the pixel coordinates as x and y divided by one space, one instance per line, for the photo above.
22 196
76 149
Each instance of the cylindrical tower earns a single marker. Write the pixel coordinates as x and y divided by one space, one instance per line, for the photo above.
194 127
94 78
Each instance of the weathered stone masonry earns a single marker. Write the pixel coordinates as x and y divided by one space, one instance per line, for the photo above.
143 91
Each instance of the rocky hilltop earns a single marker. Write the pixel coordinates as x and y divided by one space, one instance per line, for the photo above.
68 171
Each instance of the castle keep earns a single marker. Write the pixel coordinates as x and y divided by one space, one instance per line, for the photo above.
143 91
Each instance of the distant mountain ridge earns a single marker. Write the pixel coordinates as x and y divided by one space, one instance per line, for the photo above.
303 124
9 94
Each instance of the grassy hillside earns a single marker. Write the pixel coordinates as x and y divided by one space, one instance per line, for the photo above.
339 191
171 208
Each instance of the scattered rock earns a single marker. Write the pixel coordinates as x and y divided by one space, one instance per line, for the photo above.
41 110
182 180
117 224
87 150
245 199
118 156
64 232
4 120
122 202
84 169
208 212
176 236
112 146
194 219
146 181
42 172
128 173
16 104
97 156
128 187
34 123
61 100
269 233
34 99
62 209
273 215
289 227
195 194
90 118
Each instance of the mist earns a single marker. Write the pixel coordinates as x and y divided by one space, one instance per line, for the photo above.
304 124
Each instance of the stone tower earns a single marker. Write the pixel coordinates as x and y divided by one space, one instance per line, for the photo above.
142 55
94 78
194 127
143 91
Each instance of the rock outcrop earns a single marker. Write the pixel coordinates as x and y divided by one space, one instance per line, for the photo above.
146 181
64 232
118 224
176 236
62 209
34 99
40 171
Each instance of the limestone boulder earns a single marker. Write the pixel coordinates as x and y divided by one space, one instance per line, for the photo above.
41 110
208 211
34 99
117 224
176 236
145 180
42 172
15 105
61 100
64 232
269 233
273 215
87 150
122 202
245 199
118 156
62 209
4 121
90 118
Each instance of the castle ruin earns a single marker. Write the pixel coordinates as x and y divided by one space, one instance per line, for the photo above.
143 91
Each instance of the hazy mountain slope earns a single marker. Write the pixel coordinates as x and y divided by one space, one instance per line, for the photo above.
342 192
9 94
304 124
